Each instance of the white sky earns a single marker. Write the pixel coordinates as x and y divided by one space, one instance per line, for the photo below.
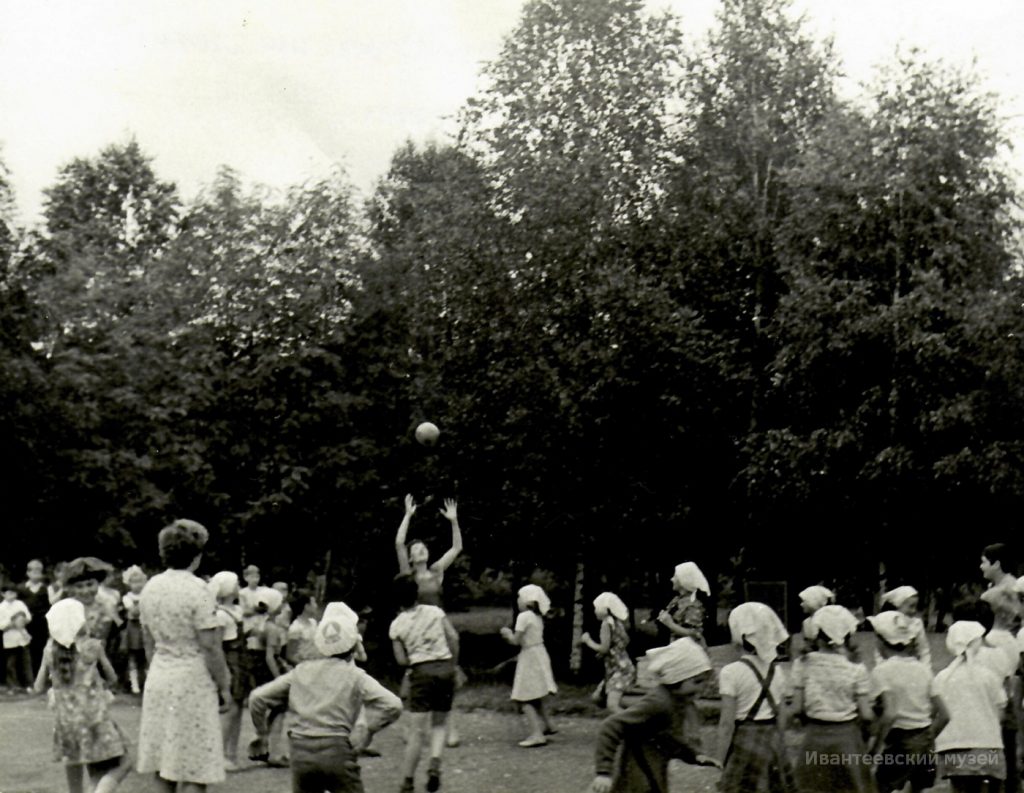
282 89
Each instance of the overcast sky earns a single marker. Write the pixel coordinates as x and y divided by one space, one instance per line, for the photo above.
282 89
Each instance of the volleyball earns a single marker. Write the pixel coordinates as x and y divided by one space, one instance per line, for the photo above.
427 433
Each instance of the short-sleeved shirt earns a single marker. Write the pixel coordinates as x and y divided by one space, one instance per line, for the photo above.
738 680
975 698
228 619
421 631
910 685
175 606
531 626
302 632
831 683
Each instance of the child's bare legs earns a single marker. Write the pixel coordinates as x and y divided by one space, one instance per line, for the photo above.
277 748
231 728
535 721
76 778
178 787
106 778
543 711
417 726
451 731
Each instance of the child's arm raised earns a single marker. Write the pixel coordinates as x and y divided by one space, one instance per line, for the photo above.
451 512
403 530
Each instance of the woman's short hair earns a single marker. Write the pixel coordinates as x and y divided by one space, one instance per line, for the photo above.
1000 552
181 542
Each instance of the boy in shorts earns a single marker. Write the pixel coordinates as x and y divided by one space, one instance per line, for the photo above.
424 641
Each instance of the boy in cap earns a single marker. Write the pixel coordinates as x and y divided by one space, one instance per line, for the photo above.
657 728
324 697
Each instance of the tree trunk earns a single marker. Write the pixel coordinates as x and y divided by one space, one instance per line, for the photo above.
576 655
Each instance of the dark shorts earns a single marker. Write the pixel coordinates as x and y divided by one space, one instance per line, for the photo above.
324 764
431 687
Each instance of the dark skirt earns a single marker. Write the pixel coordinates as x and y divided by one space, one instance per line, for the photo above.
131 637
907 756
833 759
757 761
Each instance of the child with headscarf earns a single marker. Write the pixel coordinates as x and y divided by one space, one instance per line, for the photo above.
85 737
811 599
970 747
324 697
912 712
224 587
131 635
905 600
534 679
635 745
831 692
752 722
684 614
619 669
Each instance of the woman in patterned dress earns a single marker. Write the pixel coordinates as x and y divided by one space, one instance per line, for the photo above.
85 738
180 733
619 669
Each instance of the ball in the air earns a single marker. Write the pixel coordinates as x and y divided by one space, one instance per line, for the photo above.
427 433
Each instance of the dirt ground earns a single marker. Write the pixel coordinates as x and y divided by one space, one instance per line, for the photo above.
488 760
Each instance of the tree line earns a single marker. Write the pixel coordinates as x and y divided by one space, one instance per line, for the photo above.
666 298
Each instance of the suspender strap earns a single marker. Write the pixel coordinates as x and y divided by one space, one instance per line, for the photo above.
766 693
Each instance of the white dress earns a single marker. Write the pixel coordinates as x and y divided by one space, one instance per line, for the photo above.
534 678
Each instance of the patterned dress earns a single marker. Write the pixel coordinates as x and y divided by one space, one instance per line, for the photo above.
84 733
619 669
688 613
180 735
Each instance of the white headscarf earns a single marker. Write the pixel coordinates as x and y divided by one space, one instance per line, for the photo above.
689 577
760 626
65 619
611 603
272 598
132 572
223 584
679 661
835 622
531 593
899 595
962 635
817 596
338 630
894 627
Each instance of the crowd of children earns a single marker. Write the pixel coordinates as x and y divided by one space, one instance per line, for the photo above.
871 721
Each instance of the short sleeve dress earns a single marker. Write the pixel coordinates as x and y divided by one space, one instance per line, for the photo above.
180 735
84 732
534 678
619 669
